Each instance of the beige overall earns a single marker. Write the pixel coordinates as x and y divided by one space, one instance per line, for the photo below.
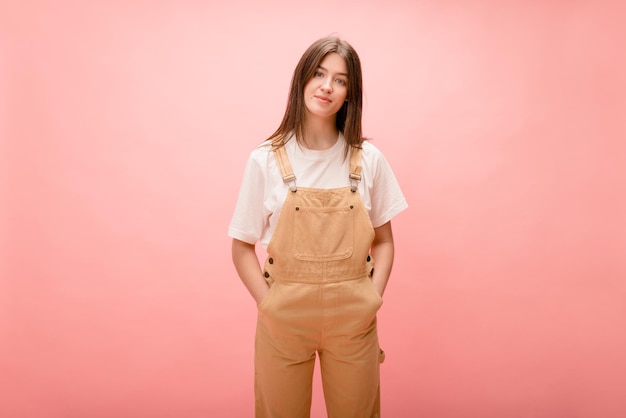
321 299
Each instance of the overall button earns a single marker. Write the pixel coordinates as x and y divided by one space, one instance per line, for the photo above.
271 260
369 258
266 275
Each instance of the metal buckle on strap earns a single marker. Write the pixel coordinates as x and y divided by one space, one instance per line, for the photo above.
290 180
354 181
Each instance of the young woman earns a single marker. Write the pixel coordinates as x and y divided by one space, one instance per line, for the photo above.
320 200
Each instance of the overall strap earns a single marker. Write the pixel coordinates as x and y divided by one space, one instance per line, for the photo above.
355 168
285 167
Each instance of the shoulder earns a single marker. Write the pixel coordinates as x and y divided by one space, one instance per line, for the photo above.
264 152
376 165
370 149
261 152
261 156
371 155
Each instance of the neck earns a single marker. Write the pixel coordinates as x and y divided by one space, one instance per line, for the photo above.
320 134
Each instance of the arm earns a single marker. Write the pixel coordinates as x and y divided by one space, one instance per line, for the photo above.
382 251
248 269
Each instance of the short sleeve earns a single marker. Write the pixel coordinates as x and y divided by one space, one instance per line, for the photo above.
385 194
249 218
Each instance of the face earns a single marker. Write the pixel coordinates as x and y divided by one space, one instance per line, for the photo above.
326 91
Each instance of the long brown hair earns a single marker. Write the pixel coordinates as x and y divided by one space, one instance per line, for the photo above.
348 118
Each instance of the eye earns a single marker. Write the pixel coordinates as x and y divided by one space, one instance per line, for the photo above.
318 74
341 81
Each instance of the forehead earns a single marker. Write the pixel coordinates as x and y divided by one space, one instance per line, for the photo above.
334 63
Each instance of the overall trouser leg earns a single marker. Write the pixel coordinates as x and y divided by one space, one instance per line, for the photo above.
287 338
350 353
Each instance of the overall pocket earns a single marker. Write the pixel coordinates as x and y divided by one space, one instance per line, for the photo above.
271 286
323 234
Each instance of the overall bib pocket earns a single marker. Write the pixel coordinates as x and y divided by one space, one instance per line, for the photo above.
323 234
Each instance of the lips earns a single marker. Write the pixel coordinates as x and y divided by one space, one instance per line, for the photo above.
323 99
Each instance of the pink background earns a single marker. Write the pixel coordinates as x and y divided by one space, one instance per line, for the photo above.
125 126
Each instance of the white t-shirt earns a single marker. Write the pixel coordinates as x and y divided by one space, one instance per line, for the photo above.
263 191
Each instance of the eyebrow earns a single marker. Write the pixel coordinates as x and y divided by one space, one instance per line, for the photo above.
343 74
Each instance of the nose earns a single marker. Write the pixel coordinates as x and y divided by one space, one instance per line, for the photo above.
327 85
